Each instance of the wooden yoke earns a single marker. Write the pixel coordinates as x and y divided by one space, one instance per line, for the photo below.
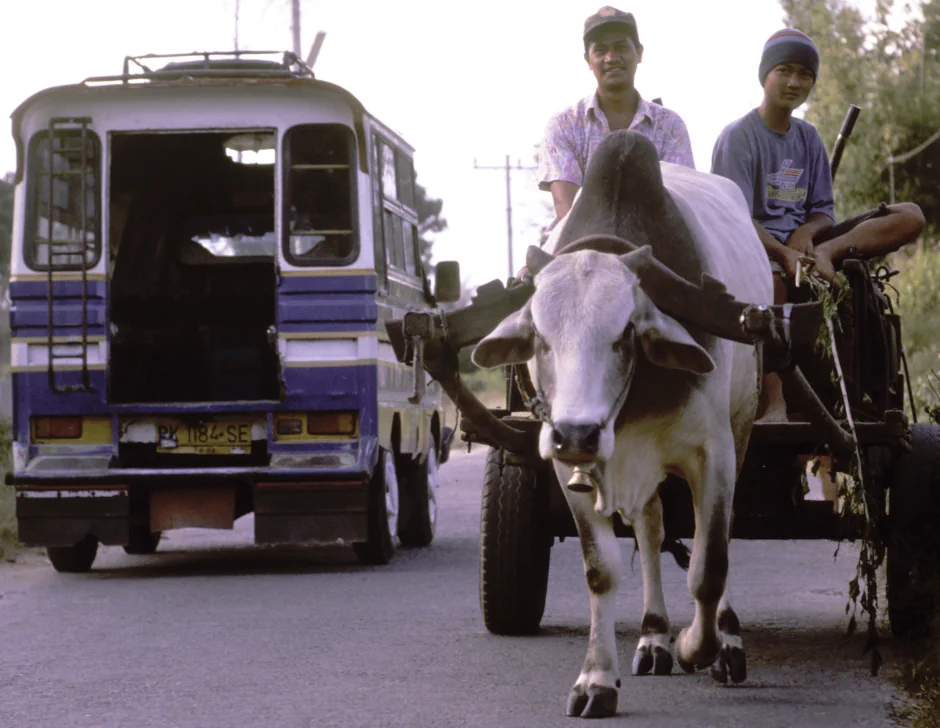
435 340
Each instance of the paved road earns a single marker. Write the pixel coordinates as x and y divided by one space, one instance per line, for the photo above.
215 632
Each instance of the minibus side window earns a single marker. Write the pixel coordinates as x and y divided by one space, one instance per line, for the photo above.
378 239
399 219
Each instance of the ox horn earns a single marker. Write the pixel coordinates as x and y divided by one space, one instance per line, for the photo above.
708 306
536 259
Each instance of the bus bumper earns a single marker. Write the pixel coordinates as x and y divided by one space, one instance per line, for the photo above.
58 503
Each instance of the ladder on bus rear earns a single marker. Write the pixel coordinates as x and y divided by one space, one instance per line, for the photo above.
72 255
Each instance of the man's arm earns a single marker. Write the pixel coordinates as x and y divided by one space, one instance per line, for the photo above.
559 169
562 196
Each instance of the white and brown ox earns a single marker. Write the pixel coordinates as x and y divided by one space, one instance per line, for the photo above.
635 395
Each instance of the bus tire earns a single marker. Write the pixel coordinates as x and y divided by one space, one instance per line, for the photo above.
382 513
75 559
143 542
418 487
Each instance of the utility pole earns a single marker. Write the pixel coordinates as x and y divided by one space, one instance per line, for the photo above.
509 169
236 24
295 25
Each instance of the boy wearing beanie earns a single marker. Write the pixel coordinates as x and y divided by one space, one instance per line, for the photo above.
782 167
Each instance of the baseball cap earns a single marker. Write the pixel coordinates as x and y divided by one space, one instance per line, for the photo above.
608 15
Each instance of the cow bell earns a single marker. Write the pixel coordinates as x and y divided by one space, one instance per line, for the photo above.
583 480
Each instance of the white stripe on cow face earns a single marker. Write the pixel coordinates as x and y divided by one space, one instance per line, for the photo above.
581 308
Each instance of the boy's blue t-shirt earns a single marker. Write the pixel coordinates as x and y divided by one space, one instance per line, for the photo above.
785 178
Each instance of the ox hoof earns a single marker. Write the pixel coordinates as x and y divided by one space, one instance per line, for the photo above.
732 663
695 653
595 702
656 660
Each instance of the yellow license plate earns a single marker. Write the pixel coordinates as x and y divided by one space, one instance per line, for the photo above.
220 437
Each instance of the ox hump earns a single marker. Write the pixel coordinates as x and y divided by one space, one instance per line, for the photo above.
625 171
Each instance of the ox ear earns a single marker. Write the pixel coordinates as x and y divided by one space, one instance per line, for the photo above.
536 259
665 341
512 342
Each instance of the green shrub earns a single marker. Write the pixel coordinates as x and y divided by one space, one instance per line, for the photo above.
8 542
918 289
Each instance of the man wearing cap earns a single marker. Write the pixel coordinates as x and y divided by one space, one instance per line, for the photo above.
612 50
781 165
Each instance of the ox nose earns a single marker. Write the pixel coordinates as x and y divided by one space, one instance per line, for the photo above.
576 443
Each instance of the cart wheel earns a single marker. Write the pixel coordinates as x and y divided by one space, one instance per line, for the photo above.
418 487
143 542
76 559
914 541
382 516
515 546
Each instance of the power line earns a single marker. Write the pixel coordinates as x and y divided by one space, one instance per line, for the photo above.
295 26
892 160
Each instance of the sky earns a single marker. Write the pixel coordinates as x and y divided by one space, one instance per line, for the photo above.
464 83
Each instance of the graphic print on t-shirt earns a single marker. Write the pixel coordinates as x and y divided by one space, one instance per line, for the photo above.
782 185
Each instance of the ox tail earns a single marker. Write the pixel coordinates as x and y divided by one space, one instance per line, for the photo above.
680 552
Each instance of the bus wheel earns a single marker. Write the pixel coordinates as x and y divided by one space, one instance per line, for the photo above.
143 542
382 515
419 486
75 559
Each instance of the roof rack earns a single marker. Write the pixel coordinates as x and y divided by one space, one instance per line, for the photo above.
212 64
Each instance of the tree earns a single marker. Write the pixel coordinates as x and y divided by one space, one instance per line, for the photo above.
430 222
6 227
891 73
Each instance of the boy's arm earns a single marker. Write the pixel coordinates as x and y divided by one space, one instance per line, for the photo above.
732 157
820 206
801 239
787 257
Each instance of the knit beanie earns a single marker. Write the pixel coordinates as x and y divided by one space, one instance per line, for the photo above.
788 46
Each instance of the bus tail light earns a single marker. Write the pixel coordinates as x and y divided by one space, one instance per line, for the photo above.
57 428
331 423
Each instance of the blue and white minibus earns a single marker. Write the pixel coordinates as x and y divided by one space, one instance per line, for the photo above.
205 251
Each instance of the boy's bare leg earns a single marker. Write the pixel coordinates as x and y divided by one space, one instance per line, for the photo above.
872 238
772 407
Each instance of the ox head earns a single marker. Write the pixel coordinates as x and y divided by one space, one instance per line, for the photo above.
584 329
